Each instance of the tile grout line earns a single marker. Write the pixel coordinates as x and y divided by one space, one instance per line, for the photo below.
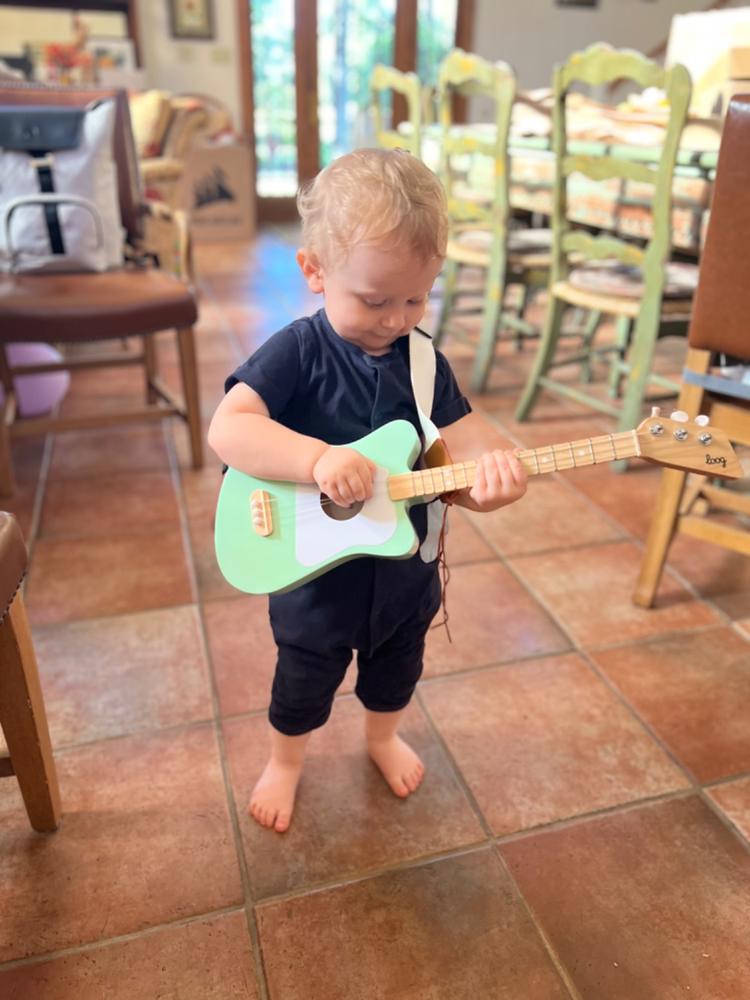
696 786
88 946
217 726
546 943
557 962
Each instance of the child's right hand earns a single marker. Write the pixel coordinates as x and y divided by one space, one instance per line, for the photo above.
344 475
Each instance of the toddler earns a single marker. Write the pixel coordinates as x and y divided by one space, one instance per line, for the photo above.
374 233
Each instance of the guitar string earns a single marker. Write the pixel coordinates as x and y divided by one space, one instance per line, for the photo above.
544 453
309 507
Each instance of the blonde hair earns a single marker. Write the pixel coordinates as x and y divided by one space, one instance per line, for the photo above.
378 196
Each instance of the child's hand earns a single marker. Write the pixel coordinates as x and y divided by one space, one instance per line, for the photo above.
344 475
500 480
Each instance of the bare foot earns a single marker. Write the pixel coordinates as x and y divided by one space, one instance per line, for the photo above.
398 763
272 801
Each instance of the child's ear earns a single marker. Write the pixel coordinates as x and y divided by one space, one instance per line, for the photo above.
311 269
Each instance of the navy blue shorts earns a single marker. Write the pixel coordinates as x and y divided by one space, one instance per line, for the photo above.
306 679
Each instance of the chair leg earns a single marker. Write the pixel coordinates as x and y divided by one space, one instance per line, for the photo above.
491 316
659 536
24 721
150 367
7 414
523 305
639 367
7 484
544 355
624 328
590 327
450 280
189 367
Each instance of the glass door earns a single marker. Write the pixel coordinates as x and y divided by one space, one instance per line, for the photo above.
274 86
310 64
353 35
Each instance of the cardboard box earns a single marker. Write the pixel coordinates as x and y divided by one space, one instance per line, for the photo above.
217 192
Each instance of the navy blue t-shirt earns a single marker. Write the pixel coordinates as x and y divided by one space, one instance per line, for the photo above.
316 383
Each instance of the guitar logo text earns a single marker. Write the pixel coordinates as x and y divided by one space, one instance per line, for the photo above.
719 460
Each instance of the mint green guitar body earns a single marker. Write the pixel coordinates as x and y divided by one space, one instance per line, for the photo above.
307 537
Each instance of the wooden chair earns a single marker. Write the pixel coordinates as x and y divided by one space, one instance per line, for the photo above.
719 326
22 715
131 301
385 83
608 275
475 171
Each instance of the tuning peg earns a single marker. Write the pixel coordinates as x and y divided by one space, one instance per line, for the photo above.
701 420
679 416
655 411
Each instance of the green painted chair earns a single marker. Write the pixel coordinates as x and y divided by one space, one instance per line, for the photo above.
385 81
607 275
474 170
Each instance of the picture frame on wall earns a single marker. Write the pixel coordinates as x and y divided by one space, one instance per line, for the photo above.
577 3
191 19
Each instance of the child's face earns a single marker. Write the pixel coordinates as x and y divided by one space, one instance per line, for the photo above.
375 295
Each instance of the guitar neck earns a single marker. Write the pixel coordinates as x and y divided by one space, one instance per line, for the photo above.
550 458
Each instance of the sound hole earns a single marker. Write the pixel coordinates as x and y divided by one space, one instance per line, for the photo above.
336 513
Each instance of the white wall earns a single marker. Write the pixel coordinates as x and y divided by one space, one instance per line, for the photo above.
22 25
533 35
207 67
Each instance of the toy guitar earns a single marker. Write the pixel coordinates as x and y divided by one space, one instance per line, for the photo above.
274 536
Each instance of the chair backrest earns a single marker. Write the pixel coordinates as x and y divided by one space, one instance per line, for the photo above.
128 177
721 311
599 65
474 159
384 82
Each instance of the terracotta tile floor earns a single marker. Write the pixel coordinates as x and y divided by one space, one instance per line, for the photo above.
583 828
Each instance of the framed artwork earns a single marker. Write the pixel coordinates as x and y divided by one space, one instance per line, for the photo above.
577 3
191 18
112 53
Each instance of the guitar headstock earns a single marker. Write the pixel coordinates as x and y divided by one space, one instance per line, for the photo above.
691 445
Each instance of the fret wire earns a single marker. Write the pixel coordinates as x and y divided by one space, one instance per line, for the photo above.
613 445
572 454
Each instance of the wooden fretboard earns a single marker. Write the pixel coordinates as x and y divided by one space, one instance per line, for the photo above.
550 458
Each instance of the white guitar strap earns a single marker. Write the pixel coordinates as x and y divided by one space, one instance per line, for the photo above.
422 365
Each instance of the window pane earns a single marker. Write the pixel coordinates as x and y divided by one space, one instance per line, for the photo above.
352 36
273 92
436 33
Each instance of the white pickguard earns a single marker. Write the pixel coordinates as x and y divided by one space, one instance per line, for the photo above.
320 538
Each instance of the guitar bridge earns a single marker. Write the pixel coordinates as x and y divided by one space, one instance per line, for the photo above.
260 511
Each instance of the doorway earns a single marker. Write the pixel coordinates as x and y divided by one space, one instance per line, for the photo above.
305 77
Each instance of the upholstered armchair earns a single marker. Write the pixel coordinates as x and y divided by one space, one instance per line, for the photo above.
166 128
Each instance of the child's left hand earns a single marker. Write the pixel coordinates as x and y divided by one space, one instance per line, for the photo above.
500 480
